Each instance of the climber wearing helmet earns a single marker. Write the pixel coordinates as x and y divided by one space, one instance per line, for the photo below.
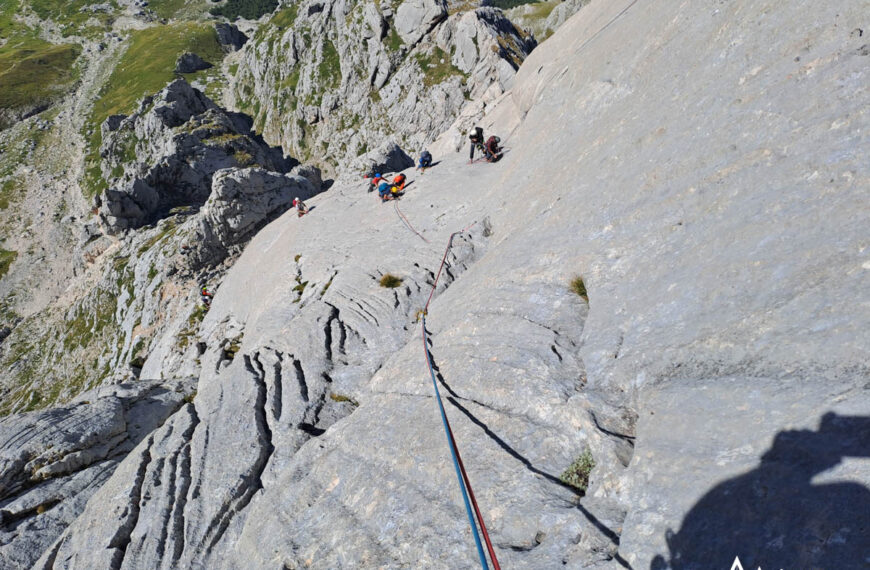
385 191
205 296
425 161
301 208
476 138
375 180
398 184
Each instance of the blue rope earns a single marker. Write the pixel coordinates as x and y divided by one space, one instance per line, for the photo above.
452 445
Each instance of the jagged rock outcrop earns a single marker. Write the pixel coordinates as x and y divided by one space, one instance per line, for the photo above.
324 95
51 462
386 158
543 19
416 18
164 155
190 62
143 291
561 13
229 36
243 201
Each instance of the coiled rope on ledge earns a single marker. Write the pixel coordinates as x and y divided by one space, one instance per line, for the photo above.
464 483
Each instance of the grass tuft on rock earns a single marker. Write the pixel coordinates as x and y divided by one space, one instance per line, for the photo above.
335 397
579 287
577 474
437 67
6 259
390 281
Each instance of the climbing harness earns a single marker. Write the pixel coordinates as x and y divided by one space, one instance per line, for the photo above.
461 474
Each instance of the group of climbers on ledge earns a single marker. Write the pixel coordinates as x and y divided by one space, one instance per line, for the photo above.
391 190
386 190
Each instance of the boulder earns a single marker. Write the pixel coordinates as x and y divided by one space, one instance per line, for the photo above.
230 37
389 157
311 173
416 18
190 62
243 200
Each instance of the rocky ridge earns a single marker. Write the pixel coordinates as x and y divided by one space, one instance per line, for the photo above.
314 88
195 175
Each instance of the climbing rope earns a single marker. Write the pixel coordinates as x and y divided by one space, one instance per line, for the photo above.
605 26
461 474
406 222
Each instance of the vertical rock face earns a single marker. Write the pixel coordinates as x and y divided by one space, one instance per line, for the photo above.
662 273
314 87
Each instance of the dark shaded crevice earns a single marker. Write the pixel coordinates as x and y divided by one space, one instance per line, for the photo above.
518 547
311 430
624 437
335 320
122 537
184 487
52 553
300 378
278 388
11 520
327 332
252 481
556 352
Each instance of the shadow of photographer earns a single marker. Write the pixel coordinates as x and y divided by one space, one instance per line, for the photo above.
774 517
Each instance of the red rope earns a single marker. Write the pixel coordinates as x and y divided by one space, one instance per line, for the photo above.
451 437
474 502
407 223
443 261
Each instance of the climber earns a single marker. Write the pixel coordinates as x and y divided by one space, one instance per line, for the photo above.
375 180
205 296
398 185
385 191
476 138
425 161
492 150
301 208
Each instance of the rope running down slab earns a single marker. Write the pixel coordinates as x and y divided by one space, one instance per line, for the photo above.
461 474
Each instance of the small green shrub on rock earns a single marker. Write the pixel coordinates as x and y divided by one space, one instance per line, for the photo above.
579 287
577 474
390 281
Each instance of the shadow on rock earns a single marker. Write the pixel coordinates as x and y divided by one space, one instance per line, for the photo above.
775 517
